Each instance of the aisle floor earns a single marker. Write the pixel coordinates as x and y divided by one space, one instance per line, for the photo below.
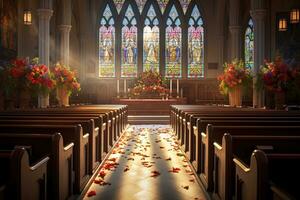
146 164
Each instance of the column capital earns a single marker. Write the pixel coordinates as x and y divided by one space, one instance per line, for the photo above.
65 28
258 14
45 13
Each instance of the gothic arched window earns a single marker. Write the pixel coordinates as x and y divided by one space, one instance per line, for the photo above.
151 41
107 44
196 45
133 35
129 44
249 45
173 44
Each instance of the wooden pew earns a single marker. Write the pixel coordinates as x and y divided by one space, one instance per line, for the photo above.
22 181
256 181
88 127
191 119
60 166
242 147
113 126
71 134
195 140
215 133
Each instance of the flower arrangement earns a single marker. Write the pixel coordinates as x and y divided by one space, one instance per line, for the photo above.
13 76
235 74
40 79
277 76
149 83
66 78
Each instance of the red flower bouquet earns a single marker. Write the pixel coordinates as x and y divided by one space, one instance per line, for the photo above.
235 74
40 79
278 75
66 78
149 84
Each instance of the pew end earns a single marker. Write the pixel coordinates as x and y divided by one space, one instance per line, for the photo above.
247 177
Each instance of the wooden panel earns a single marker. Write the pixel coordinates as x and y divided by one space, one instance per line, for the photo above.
196 91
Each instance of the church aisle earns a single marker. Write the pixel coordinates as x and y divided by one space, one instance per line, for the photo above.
146 164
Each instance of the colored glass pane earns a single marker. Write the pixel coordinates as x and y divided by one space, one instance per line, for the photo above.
107 45
129 45
162 4
185 4
173 44
249 45
119 4
140 4
196 45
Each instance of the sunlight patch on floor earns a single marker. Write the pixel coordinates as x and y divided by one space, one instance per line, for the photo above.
147 163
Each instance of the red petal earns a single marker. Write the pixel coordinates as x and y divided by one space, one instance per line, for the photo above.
91 193
102 174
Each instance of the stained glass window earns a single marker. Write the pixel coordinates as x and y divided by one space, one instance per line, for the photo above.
151 41
196 45
129 44
249 45
107 44
173 44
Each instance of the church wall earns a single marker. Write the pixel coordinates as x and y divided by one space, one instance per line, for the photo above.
84 43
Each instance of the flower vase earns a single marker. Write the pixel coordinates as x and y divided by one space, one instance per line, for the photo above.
235 96
62 96
43 100
279 100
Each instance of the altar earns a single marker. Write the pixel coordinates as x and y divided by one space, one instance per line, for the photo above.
149 106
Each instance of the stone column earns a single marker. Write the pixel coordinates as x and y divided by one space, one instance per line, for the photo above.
44 35
65 43
235 29
259 21
235 32
65 28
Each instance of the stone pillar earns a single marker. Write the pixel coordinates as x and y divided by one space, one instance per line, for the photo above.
235 29
235 32
259 21
65 28
65 43
44 35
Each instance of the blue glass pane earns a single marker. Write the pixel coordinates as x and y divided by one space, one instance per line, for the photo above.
151 13
191 22
147 22
173 13
129 13
111 21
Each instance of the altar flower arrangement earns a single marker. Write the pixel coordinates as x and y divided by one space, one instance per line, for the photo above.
66 78
235 74
149 84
